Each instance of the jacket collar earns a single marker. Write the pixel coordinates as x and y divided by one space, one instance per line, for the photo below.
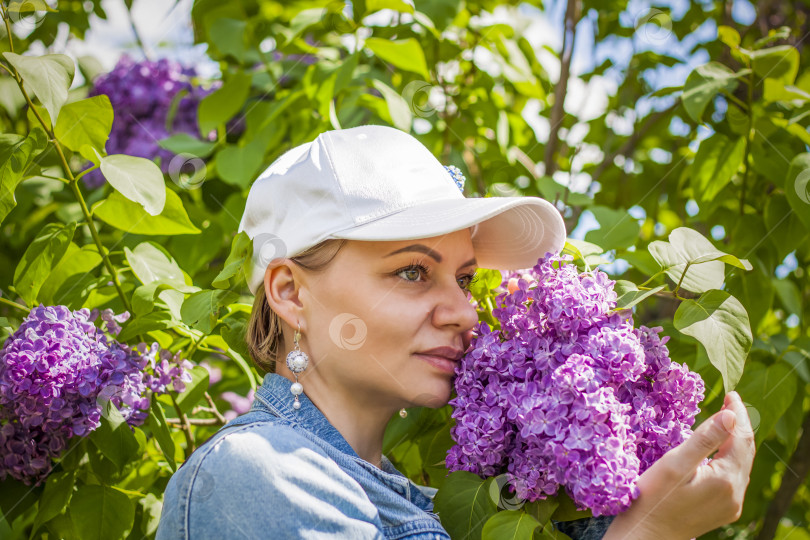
275 393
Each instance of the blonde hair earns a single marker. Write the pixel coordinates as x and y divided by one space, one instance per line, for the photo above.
264 337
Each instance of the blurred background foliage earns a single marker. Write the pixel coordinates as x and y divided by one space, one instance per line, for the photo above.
723 151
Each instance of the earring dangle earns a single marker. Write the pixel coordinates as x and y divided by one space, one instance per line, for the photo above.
297 361
403 413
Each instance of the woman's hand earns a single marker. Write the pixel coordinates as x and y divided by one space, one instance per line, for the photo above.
680 497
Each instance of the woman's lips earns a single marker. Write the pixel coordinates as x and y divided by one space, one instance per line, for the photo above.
443 364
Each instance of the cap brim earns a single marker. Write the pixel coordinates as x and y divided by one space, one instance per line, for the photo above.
512 233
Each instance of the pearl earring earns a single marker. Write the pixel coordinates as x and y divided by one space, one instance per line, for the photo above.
297 361
403 413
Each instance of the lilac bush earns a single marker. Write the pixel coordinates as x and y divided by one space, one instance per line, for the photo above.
567 392
141 94
56 371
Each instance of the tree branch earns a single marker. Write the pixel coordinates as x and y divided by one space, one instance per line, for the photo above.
573 12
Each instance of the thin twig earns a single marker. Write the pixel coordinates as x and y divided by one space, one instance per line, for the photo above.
176 422
14 304
185 424
214 409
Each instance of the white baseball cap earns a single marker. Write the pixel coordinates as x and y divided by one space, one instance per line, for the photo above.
379 183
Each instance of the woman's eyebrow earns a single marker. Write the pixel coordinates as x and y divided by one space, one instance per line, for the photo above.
421 248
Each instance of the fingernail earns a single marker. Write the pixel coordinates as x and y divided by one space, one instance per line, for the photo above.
727 421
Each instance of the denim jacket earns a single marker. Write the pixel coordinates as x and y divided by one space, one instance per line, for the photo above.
276 472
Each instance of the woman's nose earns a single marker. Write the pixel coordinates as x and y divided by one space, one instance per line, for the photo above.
454 308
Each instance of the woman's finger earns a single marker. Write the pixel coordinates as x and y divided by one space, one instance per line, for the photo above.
741 447
707 438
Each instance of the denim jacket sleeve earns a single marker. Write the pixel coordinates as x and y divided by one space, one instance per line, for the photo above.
300 492
592 528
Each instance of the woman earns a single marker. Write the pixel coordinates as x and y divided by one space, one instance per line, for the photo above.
364 246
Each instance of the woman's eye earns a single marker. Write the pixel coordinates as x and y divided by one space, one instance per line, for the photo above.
414 271
411 272
417 270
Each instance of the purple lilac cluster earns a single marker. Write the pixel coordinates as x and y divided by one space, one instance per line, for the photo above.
141 94
57 370
567 392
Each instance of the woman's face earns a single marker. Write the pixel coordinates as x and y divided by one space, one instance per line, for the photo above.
372 310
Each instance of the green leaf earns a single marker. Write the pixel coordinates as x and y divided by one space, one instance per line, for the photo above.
704 83
201 309
780 62
464 504
129 216
238 164
228 35
49 76
113 437
542 509
398 110
697 249
488 280
152 508
16 498
29 5
689 251
509 524
194 390
143 298
183 143
701 278
42 255
405 54
618 229
729 36
160 429
101 513
55 498
717 160
241 252
223 104
136 178
396 5
16 155
629 295
567 509
769 390
551 189
87 121
755 291
151 263
158 320
720 323
797 187
11 99
789 294
75 263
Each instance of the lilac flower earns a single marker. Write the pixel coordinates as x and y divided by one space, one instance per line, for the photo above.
239 404
56 371
142 95
566 392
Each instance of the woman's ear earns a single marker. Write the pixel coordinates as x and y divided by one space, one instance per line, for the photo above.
281 291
